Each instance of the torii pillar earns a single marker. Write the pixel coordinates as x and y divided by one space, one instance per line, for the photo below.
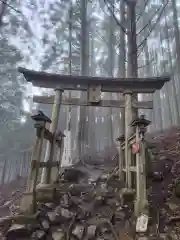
128 133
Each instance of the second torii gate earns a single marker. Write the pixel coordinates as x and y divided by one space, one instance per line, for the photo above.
94 87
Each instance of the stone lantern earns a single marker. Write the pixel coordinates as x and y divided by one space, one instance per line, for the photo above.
40 121
141 125
141 193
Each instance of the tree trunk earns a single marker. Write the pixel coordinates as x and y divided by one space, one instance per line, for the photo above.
82 139
69 108
167 107
110 69
177 42
121 60
172 84
157 111
91 117
132 67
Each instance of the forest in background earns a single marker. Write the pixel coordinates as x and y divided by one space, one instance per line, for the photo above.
84 38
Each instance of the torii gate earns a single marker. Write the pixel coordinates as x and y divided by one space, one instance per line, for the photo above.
94 87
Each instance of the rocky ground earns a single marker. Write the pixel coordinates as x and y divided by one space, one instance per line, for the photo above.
84 206
10 195
164 180
96 211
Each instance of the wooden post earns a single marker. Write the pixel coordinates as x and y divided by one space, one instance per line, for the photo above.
35 171
144 201
46 173
58 157
138 176
141 193
34 157
120 161
61 150
28 202
55 169
60 153
121 156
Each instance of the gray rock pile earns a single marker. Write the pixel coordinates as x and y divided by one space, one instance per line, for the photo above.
82 209
88 203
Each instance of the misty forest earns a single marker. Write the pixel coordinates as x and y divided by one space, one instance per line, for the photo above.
90 119
83 38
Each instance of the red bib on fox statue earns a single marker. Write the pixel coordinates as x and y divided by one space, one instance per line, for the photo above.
135 147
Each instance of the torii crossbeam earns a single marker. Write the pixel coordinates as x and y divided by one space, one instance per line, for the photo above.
81 83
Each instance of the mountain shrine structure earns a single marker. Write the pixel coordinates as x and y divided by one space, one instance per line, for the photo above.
131 147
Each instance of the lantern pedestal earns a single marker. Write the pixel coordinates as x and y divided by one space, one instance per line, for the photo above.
141 203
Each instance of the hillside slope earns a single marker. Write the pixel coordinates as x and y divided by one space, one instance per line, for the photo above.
164 179
94 200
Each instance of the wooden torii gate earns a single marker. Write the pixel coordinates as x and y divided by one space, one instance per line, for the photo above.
94 87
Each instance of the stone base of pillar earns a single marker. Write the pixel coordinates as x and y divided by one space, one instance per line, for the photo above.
26 204
140 207
54 174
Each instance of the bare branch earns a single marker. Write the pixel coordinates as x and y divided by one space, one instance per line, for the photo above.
2 11
140 15
5 3
149 22
154 25
25 20
115 18
103 39
147 64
